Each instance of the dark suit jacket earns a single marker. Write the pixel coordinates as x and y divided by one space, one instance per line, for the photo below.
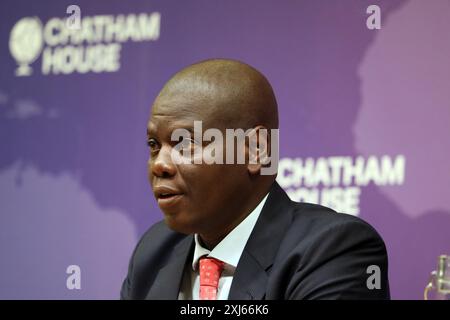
296 251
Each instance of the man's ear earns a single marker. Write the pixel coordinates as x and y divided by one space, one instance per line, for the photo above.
257 149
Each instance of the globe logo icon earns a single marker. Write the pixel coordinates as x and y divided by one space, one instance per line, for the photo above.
25 43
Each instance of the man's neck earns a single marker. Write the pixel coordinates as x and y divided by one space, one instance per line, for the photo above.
211 239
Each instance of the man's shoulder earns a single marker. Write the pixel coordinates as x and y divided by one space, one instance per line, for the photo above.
154 249
314 215
308 220
312 222
321 245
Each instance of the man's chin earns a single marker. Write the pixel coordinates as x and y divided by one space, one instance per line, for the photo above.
181 227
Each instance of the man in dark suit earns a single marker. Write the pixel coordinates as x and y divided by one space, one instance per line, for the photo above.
231 232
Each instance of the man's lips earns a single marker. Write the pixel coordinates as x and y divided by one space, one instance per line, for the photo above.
167 195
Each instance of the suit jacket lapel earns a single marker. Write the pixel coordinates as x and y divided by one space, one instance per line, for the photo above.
168 281
249 281
251 275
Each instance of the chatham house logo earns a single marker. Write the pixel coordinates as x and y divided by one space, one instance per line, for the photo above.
25 43
93 47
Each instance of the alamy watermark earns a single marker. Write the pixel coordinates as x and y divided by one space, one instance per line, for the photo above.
374 280
373 22
253 146
73 281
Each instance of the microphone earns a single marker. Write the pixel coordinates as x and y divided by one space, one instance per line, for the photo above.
439 283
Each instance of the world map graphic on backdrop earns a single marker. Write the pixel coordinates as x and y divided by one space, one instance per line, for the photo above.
66 227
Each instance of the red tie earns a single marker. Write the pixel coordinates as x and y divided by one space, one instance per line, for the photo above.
210 270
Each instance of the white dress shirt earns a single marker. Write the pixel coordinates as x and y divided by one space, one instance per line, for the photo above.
229 250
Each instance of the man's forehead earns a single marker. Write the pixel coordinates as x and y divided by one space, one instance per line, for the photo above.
192 107
170 114
164 125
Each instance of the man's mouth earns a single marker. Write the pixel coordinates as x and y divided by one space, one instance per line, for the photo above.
167 196
169 200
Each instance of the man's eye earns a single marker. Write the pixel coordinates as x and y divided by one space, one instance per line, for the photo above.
153 145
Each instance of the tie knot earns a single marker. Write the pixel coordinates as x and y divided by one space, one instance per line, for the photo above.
210 271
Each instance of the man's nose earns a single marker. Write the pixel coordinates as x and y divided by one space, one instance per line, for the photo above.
162 165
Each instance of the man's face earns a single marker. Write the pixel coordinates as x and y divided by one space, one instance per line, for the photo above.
194 197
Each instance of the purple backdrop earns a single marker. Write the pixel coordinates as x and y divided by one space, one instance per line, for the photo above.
73 186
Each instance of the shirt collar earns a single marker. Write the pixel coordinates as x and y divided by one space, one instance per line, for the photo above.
230 249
